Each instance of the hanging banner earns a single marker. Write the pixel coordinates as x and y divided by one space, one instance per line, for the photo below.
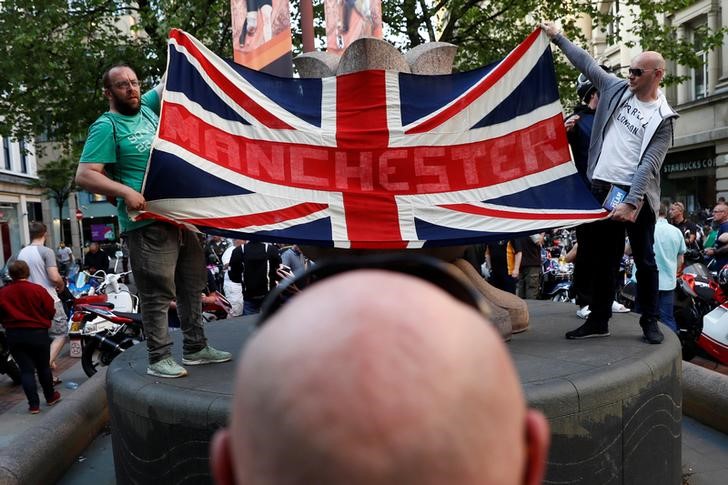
262 35
348 20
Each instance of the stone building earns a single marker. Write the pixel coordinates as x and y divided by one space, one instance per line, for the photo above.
20 203
696 168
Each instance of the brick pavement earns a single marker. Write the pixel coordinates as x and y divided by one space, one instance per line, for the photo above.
10 394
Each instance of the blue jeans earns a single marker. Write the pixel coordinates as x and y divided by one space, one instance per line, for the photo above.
666 303
251 306
168 262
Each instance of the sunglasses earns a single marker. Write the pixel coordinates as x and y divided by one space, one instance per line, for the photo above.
637 72
432 270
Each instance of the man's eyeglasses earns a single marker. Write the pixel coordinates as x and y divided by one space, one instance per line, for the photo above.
126 84
432 270
637 72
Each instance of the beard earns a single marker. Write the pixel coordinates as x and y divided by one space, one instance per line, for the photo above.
125 106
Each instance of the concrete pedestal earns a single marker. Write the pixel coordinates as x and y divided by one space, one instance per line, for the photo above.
614 404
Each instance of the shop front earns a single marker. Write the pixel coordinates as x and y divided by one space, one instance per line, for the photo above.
689 177
9 231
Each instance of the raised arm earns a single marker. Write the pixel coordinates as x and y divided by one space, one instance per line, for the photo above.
579 58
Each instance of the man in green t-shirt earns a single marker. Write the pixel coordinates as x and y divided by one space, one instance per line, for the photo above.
165 259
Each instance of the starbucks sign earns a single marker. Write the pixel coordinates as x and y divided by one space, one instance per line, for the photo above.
689 161
688 165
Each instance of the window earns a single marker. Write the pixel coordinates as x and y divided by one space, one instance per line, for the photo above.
6 153
35 211
699 74
613 26
23 157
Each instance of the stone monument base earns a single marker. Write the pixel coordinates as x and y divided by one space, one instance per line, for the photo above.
614 404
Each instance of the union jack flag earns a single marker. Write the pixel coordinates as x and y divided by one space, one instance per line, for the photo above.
372 159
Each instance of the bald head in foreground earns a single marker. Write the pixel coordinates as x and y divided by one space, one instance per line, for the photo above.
373 377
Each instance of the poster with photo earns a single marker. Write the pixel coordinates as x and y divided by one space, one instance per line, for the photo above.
348 20
262 35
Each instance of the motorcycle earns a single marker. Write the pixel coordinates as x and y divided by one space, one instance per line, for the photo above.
80 282
699 306
557 280
4 276
105 334
713 338
697 294
214 307
109 324
8 365
558 275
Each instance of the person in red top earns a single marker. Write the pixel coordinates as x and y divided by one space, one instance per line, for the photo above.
26 310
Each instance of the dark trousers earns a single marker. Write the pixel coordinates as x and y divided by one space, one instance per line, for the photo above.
503 282
168 262
603 247
31 349
582 281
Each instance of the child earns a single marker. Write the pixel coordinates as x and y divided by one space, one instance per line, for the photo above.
26 310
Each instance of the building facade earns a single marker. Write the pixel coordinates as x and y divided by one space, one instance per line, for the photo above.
695 171
83 218
20 202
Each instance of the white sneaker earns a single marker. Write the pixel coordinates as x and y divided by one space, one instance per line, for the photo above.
583 312
619 308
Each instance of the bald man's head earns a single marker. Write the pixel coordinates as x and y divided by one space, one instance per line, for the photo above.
651 68
377 377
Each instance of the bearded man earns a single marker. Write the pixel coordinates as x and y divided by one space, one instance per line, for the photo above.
167 261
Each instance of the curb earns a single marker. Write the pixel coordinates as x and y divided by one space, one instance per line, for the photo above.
705 396
42 454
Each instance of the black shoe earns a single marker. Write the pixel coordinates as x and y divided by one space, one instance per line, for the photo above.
652 333
590 329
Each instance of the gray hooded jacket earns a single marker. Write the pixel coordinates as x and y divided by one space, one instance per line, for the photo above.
613 93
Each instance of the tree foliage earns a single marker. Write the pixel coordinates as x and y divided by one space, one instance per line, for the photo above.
56 50
57 179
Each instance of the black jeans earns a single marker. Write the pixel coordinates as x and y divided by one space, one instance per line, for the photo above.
31 349
603 247
582 281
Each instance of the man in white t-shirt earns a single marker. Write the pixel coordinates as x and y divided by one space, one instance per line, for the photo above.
630 137
65 257
44 272
233 291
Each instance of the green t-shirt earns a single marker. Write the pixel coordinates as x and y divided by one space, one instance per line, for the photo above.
133 135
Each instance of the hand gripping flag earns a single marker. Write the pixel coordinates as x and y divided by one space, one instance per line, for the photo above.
373 159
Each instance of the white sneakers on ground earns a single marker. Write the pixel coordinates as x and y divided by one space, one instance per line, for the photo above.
617 307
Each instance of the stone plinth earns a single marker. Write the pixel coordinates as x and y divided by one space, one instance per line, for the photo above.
614 404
